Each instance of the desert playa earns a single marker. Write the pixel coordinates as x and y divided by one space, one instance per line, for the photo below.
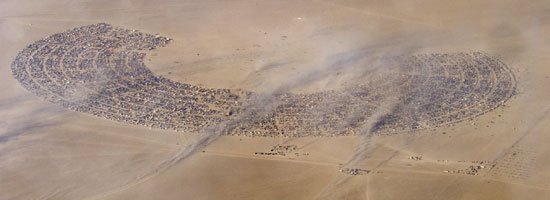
274 99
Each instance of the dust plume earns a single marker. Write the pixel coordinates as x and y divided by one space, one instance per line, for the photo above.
366 132
365 145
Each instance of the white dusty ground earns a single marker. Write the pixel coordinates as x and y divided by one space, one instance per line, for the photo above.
47 152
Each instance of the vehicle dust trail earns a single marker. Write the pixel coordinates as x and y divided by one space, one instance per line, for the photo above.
365 131
364 147
365 135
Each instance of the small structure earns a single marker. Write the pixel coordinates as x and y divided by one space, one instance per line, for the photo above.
355 171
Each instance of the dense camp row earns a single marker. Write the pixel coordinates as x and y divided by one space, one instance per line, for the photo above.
98 69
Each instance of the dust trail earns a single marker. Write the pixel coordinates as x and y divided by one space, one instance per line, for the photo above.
366 131
365 134
365 146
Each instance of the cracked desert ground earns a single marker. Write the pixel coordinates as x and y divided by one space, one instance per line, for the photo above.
50 152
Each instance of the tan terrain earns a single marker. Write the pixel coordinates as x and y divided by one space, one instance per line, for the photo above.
49 152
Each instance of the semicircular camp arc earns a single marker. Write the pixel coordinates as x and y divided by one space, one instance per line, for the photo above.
98 69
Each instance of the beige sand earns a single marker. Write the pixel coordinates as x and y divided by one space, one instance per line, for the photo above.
47 152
